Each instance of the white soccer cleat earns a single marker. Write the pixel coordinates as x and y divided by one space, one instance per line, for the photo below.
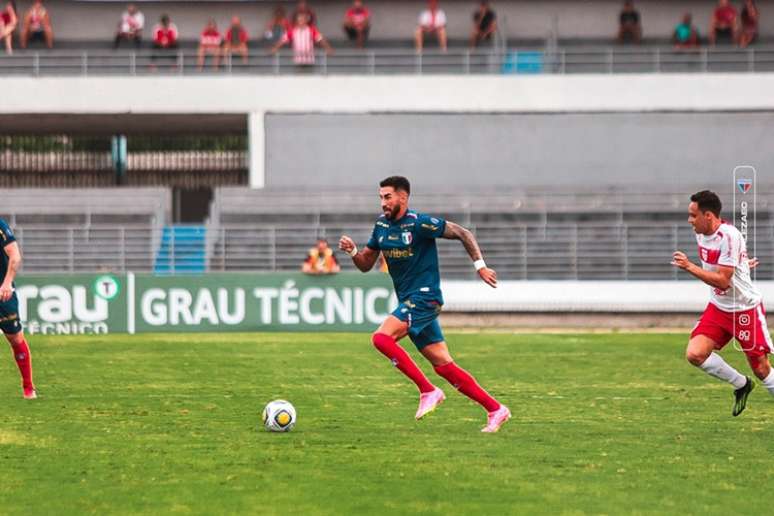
30 393
496 419
429 401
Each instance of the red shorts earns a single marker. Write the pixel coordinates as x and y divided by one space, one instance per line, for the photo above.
750 327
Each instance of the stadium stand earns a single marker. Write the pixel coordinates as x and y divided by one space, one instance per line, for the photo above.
86 230
525 235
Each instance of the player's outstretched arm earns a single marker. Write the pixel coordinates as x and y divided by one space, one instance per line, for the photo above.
456 232
720 279
364 259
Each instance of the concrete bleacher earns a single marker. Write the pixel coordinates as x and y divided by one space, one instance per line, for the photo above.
525 235
87 230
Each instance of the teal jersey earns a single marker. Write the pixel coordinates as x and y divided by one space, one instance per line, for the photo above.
6 238
409 247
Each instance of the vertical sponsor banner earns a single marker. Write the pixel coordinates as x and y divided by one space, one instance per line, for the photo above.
261 302
75 304
744 198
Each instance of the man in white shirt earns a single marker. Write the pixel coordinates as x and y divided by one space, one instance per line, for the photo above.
130 27
735 309
431 21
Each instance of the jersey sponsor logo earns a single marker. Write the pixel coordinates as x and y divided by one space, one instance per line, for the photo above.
430 227
744 185
744 319
382 224
434 220
406 237
710 256
409 225
393 237
398 253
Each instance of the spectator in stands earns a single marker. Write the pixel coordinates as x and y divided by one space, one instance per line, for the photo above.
165 37
431 21
303 37
236 39
686 36
357 23
210 42
37 26
484 24
303 7
130 27
321 260
8 22
723 24
749 31
629 26
277 27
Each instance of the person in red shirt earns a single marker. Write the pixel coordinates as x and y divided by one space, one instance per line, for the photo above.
165 37
8 22
357 23
37 25
209 45
750 16
303 7
723 26
236 39
303 37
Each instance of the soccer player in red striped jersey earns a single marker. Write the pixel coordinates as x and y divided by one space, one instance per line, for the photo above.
10 260
407 241
735 309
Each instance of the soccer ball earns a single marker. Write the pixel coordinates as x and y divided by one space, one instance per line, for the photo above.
279 416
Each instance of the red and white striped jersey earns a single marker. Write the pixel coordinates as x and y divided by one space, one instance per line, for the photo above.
303 40
726 247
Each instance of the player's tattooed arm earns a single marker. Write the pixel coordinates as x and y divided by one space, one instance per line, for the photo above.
364 259
14 261
456 232
720 279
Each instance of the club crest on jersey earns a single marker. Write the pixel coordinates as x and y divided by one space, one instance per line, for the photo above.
406 237
744 185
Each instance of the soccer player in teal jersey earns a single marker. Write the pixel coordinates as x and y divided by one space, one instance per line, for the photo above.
10 260
407 241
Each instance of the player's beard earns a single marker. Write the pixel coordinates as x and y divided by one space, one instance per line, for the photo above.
391 214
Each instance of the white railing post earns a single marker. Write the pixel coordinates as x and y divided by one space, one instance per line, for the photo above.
133 63
85 63
372 62
36 64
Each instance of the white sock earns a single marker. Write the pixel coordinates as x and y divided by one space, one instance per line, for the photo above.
719 368
768 382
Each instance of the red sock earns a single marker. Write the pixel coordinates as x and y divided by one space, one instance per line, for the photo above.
400 359
466 384
21 353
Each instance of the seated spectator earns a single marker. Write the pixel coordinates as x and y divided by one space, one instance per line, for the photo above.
749 31
723 24
629 26
321 260
130 27
303 7
37 26
357 23
236 39
278 26
484 24
210 41
431 21
303 37
685 36
8 22
165 37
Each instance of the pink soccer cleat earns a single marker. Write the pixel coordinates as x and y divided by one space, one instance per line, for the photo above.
496 419
428 401
30 393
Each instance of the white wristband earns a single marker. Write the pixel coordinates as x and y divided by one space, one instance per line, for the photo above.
353 252
479 264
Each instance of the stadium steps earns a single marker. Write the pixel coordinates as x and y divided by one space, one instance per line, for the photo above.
181 251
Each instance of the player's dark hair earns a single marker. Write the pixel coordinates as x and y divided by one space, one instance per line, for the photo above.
398 183
707 201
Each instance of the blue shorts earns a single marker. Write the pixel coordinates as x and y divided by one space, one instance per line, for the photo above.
422 318
9 316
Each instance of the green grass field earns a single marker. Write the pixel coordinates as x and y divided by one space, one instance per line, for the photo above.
603 424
